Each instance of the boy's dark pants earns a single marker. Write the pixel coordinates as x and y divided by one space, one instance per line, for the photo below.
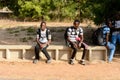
37 50
75 50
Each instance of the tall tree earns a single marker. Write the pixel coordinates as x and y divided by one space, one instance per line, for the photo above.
103 9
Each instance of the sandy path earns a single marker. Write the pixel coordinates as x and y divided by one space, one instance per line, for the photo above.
59 71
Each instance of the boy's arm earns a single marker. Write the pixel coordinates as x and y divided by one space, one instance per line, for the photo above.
107 38
49 41
37 40
81 35
49 37
107 35
82 38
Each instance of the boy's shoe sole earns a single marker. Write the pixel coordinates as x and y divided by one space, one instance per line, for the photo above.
48 61
82 62
35 61
71 62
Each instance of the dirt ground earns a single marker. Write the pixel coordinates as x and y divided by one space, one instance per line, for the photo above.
59 71
56 70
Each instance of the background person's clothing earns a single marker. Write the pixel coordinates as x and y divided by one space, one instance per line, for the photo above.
106 30
116 25
116 34
110 45
112 51
115 39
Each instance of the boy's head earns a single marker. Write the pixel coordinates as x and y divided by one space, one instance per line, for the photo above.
76 23
108 22
43 25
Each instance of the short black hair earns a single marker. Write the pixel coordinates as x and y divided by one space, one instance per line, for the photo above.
76 21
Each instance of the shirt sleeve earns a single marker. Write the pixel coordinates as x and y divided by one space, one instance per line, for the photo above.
49 34
81 31
37 33
69 32
108 30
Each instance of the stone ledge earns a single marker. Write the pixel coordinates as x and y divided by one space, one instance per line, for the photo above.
57 52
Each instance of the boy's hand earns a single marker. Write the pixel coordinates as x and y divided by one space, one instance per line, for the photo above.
42 45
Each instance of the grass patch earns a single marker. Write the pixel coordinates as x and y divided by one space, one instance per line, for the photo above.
16 34
23 29
30 38
52 30
24 39
60 30
13 30
31 31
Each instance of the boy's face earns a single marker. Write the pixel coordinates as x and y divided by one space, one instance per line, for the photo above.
76 24
43 26
110 24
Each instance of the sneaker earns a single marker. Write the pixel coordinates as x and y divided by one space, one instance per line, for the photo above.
48 61
71 62
110 62
82 62
35 61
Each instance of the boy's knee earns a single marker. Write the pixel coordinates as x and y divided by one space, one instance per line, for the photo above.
85 46
37 47
75 49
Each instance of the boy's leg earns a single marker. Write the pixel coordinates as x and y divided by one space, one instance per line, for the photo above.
112 51
37 50
73 54
84 46
114 39
46 54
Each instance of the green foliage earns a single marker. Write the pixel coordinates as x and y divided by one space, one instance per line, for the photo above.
29 9
96 10
104 9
